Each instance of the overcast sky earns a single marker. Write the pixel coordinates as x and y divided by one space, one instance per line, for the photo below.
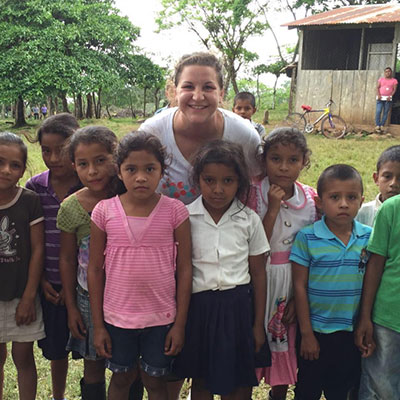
167 47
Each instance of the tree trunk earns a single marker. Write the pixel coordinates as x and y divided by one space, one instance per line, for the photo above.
156 99
89 109
3 111
50 103
64 102
131 105
144 102
19 113
56 103
108 112
79 106
274 92
97 106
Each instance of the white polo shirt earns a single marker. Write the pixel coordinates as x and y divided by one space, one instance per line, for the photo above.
221 251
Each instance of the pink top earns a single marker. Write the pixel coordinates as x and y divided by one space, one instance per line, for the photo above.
386 86
140 269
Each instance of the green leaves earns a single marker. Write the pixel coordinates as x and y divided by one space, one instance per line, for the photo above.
219 24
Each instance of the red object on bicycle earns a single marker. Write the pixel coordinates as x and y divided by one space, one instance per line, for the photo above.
306 108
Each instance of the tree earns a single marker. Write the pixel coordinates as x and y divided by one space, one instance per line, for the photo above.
316 6
220 24
55 47
142 72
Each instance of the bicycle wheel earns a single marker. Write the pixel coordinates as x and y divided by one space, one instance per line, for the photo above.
296 120
333 127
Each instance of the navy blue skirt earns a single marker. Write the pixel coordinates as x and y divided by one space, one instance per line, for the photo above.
219 343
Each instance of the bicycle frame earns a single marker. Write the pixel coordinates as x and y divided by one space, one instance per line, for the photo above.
325 111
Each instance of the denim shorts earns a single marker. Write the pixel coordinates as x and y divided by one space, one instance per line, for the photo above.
144 345
84 347
380 376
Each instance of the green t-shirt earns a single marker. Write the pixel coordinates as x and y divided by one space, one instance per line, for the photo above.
385 241
73 218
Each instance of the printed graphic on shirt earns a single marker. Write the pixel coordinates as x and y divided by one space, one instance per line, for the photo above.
6 237
364 256
178 190
277 333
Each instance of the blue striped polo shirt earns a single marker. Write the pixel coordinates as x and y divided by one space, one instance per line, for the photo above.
336 273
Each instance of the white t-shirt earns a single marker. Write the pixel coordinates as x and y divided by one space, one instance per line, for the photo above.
221 251
175 182
366 214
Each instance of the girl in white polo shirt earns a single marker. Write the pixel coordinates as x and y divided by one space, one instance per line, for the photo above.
225 327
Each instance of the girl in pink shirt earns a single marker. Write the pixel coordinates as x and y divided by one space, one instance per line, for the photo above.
139 308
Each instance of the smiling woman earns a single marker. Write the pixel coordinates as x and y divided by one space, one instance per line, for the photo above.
197 120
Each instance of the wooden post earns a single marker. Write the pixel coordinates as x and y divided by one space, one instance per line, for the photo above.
362 45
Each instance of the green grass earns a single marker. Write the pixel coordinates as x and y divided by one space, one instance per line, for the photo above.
362 153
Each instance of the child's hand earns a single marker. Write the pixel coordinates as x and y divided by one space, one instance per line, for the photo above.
102 342
309 349
363 338
289 315
174 341
25 313
76 325
275 196
49 292
259 337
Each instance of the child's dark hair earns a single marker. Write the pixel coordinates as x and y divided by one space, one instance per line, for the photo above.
63 124
226 153
200 58
139 140
390 154
341 172
11 139
285 136
245 96
93 134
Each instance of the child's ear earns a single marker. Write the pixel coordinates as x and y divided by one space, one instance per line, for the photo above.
362 200
318 202
254 110
375 176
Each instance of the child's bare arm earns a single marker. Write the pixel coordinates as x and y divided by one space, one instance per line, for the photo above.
68 271
309 345
363 334
26 312
259 282
96 280
275 196
175 338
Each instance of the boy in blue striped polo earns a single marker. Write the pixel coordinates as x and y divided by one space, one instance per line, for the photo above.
328 261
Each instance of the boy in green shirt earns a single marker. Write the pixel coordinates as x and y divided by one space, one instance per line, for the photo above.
378 331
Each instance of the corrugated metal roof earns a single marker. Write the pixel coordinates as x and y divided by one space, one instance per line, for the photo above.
370 14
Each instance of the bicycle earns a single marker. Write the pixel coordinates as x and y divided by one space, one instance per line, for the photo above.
332 126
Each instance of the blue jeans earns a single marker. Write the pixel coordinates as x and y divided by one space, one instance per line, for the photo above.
380 377
145 345
385 106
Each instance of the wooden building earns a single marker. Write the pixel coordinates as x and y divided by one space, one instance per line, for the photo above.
342 54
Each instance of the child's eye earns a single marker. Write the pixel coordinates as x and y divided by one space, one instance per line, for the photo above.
82 164
352 197
228 180
150 169
130 169
16 166
208 180
209 87
334 196
187 87
294 160
100 160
